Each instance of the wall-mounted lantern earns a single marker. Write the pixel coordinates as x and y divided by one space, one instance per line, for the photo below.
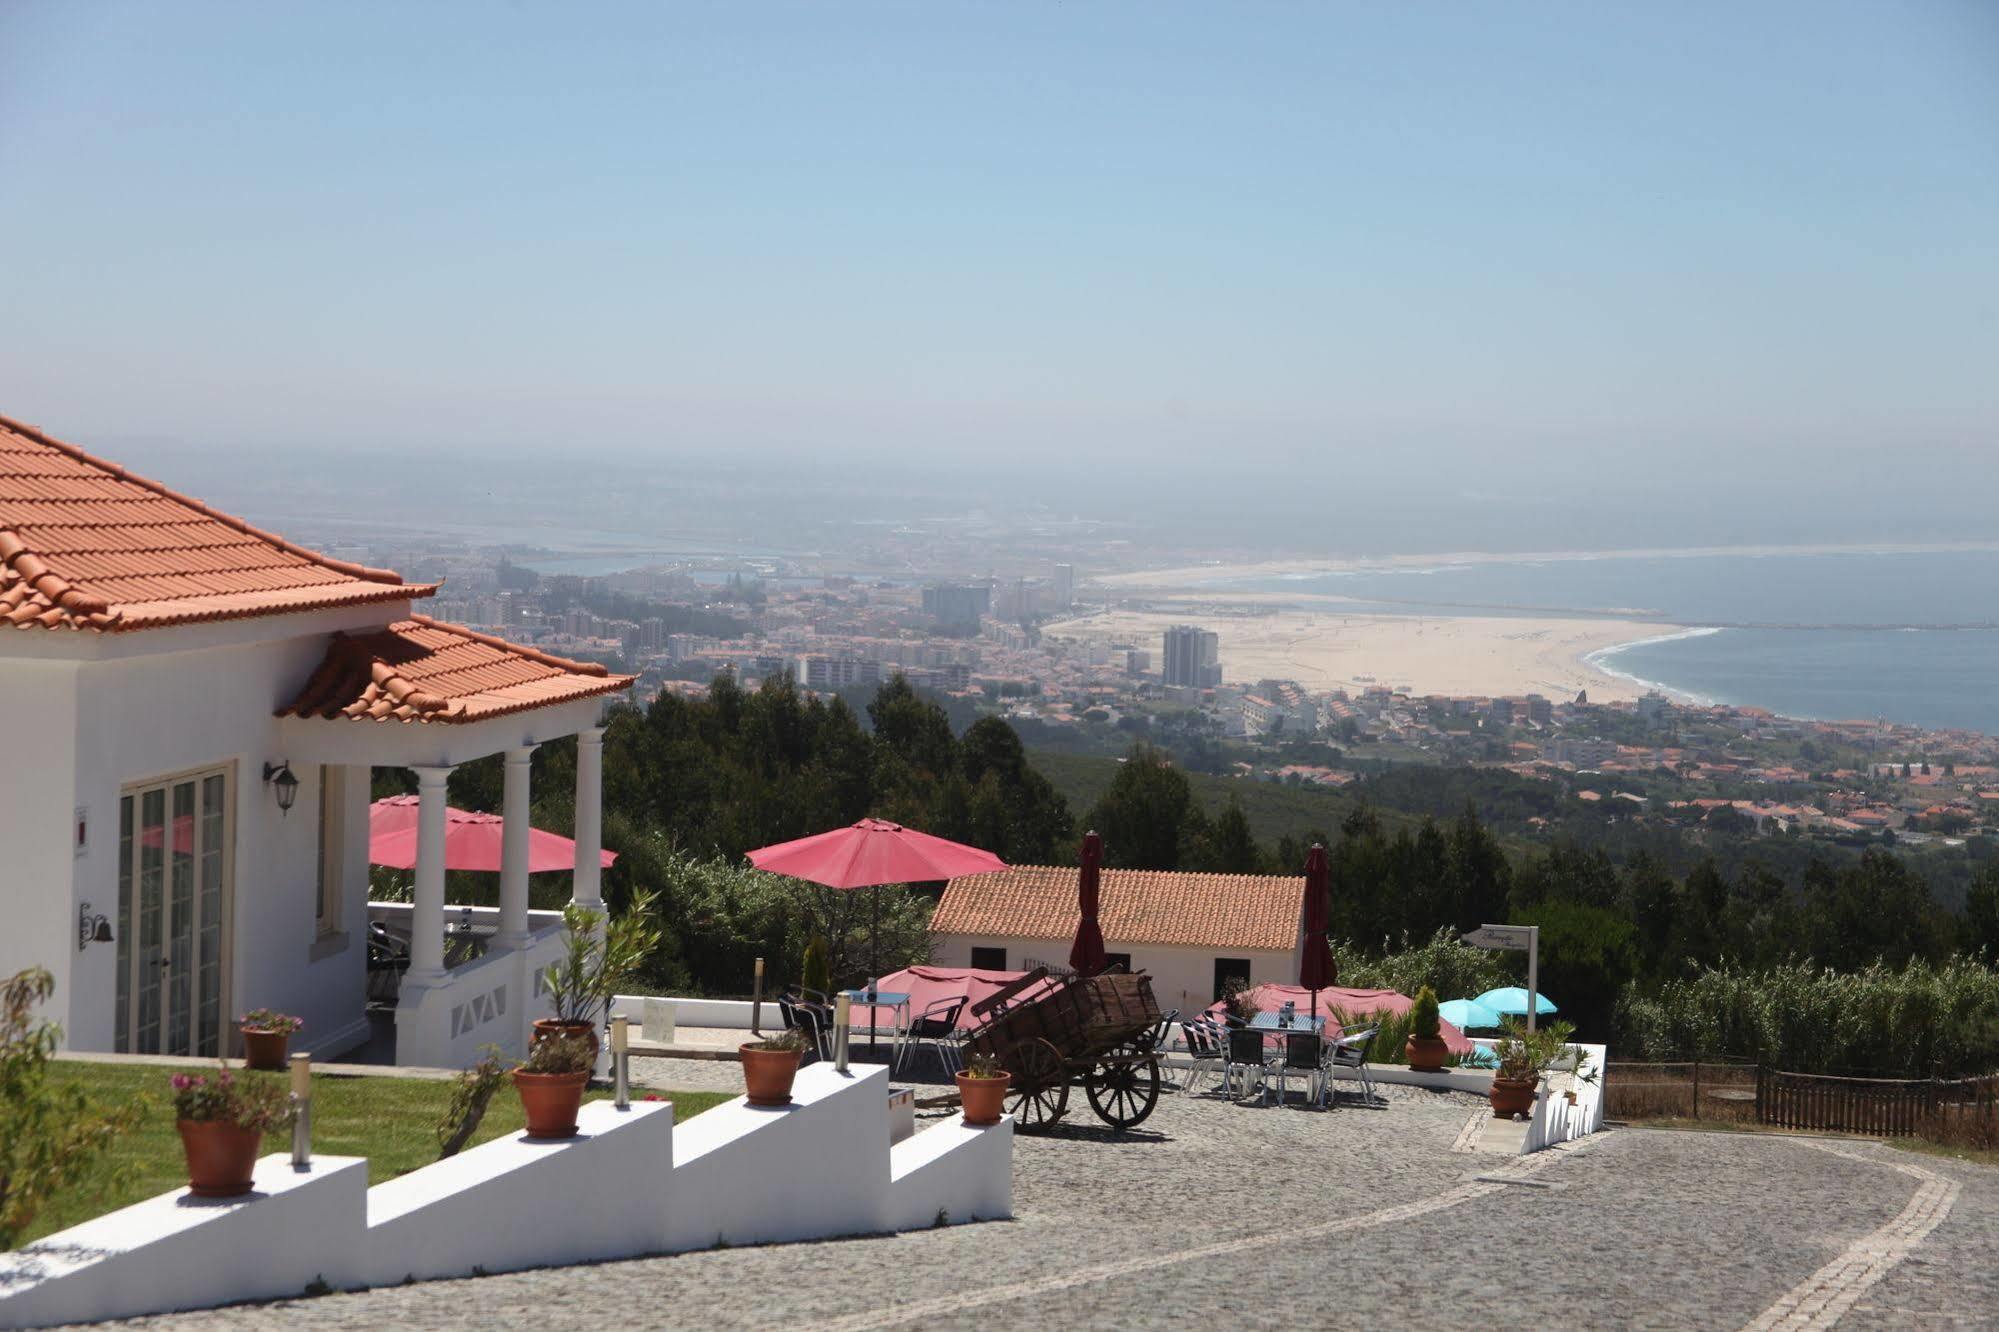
91 927
279 775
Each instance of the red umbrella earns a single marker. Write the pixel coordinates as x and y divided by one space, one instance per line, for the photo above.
1086 955
871 853
1315 968
472 841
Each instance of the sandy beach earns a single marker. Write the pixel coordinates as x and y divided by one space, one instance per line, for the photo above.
1335 649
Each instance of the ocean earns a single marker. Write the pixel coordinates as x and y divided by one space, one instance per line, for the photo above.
1909 636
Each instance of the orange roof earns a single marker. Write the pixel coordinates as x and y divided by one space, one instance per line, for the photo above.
84 544
1250 911
423 670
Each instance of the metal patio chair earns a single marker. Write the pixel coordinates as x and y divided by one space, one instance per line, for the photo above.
1245 1053
937 1027
1304 1055
1350 1051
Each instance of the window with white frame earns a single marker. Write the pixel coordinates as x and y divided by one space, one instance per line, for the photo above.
326 900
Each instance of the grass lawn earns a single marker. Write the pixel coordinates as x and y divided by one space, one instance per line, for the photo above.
391 1121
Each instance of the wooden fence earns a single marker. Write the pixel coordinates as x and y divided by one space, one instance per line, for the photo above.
1888 1107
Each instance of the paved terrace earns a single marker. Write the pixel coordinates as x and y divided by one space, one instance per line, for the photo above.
1215 1216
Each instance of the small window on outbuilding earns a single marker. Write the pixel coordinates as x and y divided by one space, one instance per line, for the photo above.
1117 962
1230 969
989 959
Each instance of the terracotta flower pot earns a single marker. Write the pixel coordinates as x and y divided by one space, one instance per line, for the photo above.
266 1050
1425 1055
983 1098
221 1158
767 1074
546 1027
1512 1097
551 1101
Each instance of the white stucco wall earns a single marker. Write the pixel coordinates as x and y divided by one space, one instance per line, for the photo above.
160 712
1182 978
37 775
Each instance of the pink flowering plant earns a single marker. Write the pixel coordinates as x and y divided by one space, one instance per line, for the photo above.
269 1019
254 1103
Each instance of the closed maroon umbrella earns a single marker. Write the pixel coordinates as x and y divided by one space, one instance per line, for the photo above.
1086 955
1315 968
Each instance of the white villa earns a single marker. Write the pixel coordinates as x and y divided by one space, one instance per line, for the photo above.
193 709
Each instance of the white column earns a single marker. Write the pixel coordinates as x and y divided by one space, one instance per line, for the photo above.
589 890
427 915
514 851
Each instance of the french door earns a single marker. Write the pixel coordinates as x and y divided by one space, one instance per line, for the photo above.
173 893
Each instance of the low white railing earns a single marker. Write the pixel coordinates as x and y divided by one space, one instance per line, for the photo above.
492 999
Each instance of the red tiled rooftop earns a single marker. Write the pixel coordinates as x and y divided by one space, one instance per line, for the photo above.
424 670
84 544
1252 911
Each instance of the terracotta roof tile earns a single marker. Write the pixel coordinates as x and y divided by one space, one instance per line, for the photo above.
424 670
84 544
1250 911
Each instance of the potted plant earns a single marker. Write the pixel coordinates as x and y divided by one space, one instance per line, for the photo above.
1425 1050
982 1090
551 1082
222 1120
1239 1001
267 1036
770 1064
1524 1058
597 958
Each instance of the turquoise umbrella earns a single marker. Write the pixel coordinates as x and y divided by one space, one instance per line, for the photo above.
1511 1001
1465 1014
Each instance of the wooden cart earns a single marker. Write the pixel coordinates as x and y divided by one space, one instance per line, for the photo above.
1092 1031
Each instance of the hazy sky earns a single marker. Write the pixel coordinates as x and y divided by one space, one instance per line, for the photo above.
1321 233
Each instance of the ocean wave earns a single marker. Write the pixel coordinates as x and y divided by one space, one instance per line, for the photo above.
1601 659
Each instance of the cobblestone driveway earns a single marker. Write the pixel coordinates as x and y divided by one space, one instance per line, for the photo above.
1215 1215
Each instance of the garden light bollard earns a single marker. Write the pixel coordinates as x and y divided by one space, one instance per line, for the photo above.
757 1001
621 1028
843 1016
302 1112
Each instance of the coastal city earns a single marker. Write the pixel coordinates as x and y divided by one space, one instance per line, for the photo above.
1060 656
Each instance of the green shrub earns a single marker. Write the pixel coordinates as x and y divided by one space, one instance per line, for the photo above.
1423 1020
1443 962
1911 1021
814 971
54 1138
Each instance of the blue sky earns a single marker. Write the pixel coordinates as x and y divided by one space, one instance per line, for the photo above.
1300 233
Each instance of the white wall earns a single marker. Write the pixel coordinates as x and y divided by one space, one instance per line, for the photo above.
1182 978
158 713
37 773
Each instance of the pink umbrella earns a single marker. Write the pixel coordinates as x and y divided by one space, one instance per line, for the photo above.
1086 955
871 853
472 841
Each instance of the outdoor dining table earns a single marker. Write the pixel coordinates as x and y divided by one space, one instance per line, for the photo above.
1278 1024
894 1000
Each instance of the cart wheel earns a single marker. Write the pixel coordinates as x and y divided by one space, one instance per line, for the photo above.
1039 1093
1123 1091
